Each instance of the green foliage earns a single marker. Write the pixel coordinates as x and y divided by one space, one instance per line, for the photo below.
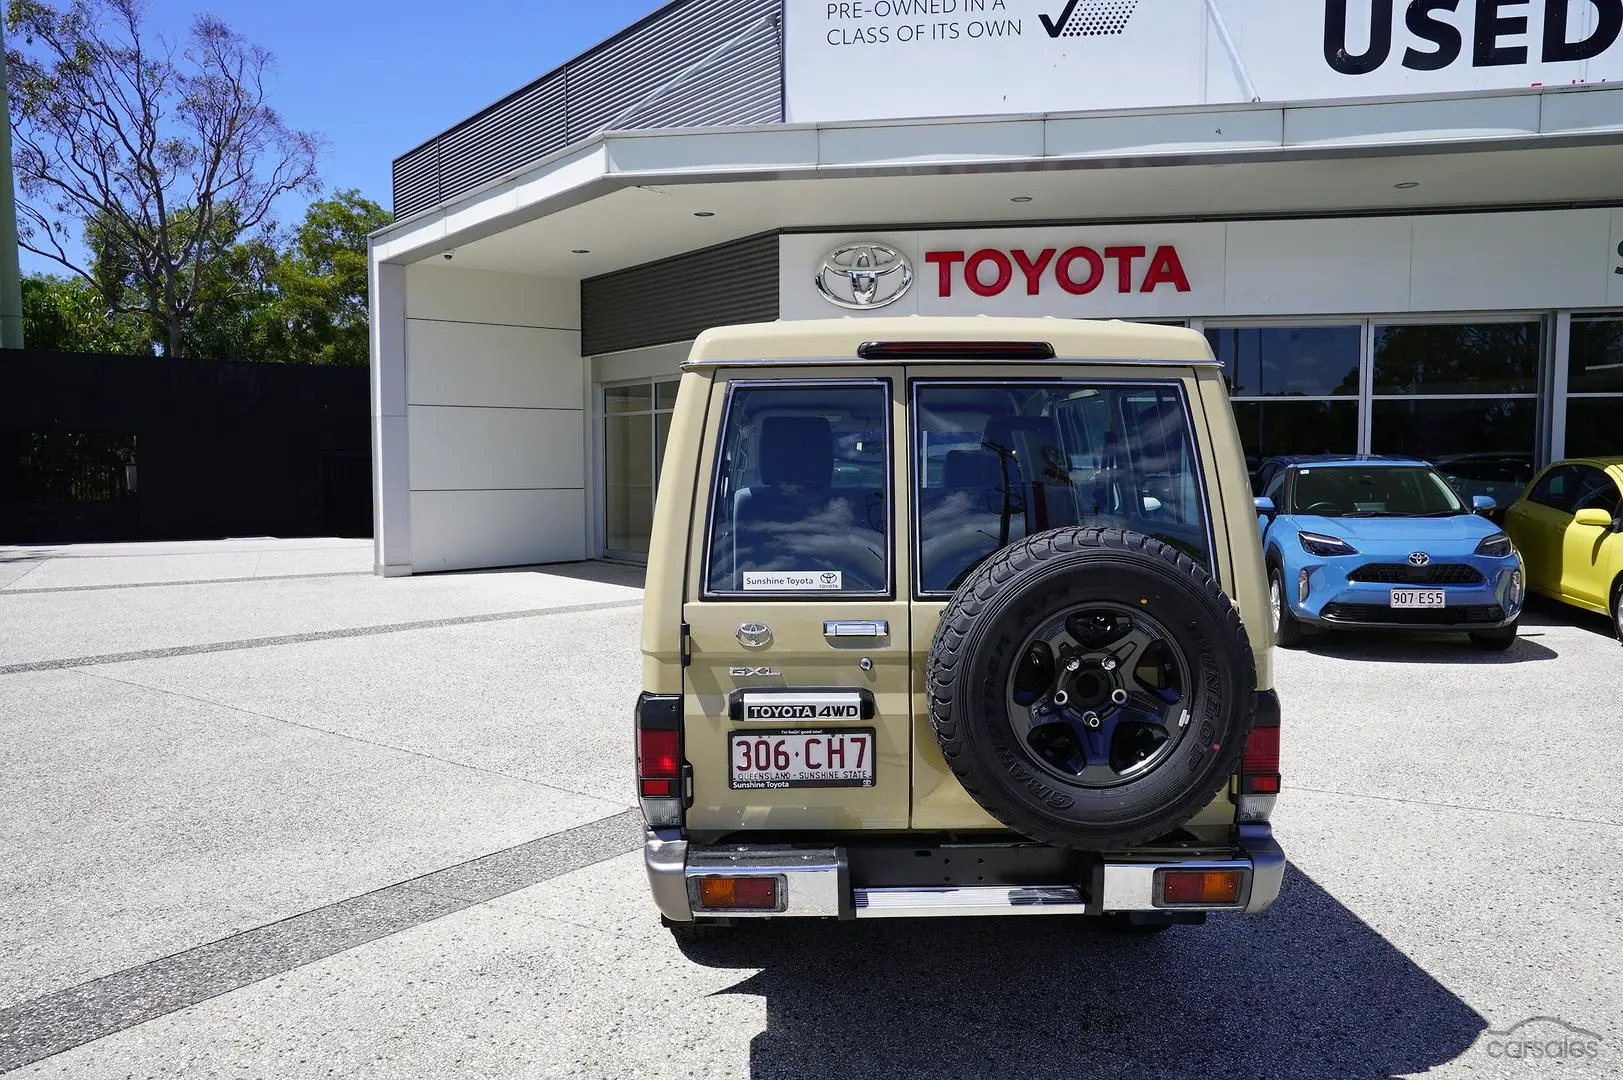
268 295
69 315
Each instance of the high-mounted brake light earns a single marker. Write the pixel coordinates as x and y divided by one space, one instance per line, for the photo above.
955 350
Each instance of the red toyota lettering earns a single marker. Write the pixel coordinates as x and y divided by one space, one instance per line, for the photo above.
944 260
1165 268
1096 271
1124 257
1033 270
972 272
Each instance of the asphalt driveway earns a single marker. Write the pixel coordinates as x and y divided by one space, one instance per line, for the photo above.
266 814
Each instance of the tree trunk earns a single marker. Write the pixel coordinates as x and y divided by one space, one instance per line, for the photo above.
172 335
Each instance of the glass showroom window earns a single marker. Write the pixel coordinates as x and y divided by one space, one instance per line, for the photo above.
1463 396
636 422
1295 388
1595 387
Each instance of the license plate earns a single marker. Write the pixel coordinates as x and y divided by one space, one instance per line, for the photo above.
1419 598
800 757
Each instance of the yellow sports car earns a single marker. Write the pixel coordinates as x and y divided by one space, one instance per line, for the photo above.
1568 525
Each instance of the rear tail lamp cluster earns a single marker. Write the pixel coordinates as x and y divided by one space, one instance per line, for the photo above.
1205 888
737 893
1258 782
660 782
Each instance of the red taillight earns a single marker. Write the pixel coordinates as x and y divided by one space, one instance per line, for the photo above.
1201 887
1259 768
758 893
658 757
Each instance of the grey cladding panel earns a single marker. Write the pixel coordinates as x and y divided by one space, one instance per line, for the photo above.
525 127
417 180
676 299
741 85
698 63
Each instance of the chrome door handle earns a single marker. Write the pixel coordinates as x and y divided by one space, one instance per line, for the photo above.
856 628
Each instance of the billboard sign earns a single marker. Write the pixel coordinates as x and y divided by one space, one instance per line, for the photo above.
883 59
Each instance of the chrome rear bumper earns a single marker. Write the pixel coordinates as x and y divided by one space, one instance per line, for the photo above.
815 883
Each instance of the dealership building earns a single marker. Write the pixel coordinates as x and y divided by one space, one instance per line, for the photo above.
1400 225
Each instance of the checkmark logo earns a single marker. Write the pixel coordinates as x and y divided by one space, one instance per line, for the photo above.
1054 26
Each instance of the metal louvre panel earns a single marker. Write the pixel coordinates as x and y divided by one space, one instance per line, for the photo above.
417 180
522 129
676 299
630 81
743 86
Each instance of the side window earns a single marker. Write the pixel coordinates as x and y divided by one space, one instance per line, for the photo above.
996 461
1595 491
801 499
1558 489
1276 490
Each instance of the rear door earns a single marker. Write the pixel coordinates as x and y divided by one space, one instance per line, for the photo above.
994 460
797 707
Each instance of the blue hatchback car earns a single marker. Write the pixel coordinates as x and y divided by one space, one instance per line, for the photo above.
1366 542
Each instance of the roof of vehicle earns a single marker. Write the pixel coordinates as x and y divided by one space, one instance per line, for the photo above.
1598 462
1343 459
837 340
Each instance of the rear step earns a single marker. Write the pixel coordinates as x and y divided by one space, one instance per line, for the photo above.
947 900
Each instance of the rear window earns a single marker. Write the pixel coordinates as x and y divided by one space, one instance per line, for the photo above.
801 504
997 461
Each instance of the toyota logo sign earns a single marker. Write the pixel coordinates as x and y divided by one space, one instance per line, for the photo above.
1419 558
864 275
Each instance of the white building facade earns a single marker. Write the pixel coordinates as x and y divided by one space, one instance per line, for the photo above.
1400 226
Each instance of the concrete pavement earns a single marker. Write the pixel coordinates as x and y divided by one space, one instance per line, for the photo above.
338 825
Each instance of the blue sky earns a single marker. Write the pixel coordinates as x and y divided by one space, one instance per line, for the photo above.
378 78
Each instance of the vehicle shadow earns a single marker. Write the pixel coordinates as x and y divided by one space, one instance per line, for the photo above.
1543 612
1306 989
606 573
1425 648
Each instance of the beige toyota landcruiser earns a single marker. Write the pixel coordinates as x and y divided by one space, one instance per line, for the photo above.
956 616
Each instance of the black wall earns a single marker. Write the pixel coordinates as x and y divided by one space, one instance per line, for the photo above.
221 448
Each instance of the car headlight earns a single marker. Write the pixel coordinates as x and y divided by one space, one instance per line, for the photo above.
1496 546
1322 546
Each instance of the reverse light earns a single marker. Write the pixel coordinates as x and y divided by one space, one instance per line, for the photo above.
734 893
1203 887
1324 546
1496 546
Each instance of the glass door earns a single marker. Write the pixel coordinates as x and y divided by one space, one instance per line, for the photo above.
636 423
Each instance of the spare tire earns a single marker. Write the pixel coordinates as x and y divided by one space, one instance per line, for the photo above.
1091 688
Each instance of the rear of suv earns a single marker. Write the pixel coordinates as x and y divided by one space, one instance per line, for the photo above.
956 617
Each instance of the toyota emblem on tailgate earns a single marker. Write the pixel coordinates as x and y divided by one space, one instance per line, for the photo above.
754 635
863 276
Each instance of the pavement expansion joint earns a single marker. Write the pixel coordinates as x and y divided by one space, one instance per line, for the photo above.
48 1025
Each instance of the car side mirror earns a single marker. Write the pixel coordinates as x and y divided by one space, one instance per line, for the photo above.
1482 503
1593 517
1264 505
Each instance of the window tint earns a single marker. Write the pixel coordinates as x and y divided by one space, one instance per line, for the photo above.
1276 489
1557 489
801 499
1595 491
1288 361
1380 491
995 462
1476 358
